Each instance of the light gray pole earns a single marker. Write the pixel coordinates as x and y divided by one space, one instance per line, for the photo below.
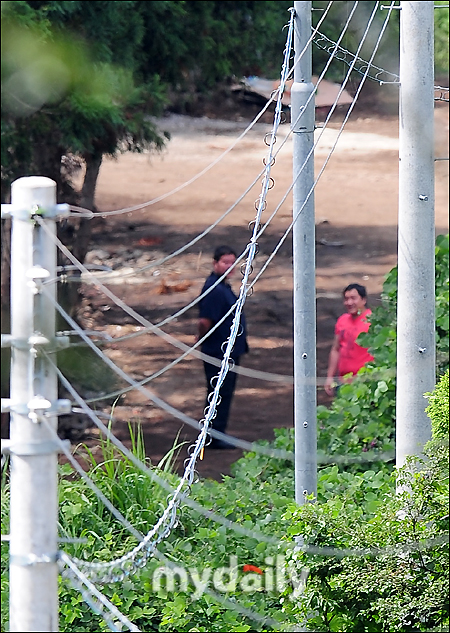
34 504
303 121
416 232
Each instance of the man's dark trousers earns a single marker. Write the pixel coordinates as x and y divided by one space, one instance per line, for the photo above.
219 423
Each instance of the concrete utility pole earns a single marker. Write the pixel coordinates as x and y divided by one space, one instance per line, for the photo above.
416 355
303 123
34 496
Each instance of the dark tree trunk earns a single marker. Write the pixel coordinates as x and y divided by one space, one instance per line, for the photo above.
93 164
77 234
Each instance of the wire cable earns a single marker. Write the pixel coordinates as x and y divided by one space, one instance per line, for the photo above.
138 207
193 422
149 472
365 66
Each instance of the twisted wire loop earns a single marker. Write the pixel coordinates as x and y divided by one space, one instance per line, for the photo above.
130 563
443 94
359 65
93 598
324 43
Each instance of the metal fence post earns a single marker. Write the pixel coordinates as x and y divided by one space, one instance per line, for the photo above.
416 352
34 502
305 397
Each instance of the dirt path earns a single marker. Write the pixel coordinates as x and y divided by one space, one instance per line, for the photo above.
356 236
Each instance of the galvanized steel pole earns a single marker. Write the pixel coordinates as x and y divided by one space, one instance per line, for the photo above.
303 123
416 356
34 501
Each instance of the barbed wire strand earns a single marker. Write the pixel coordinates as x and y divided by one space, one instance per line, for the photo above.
142 205
226 361
161 261
255 229
197 238
112 605
209 514
344 53
254 447
276 453
241 300
194 421
330 113
168 518
320 78
318 37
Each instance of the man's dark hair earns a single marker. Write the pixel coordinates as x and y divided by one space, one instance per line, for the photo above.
223 250
359 289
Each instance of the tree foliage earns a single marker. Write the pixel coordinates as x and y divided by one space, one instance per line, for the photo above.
63 92
399 581
441 35
85 78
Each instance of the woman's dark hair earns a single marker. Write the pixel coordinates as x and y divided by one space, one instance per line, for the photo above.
359 289
223 250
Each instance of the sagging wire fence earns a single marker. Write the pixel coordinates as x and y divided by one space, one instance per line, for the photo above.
156 329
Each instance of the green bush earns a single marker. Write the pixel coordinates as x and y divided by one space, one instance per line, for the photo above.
390 568
438 409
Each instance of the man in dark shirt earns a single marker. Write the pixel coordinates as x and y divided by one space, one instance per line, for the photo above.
212 308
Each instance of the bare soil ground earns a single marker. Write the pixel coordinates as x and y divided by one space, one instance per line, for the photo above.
356 204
